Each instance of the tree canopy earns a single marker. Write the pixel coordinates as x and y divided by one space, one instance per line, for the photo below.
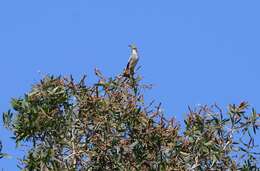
109 126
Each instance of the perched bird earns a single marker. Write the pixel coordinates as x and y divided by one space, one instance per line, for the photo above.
130 68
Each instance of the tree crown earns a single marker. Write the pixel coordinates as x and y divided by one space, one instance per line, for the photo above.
108 126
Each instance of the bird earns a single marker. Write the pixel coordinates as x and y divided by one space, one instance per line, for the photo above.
130 68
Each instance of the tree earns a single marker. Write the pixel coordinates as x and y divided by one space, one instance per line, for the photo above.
108 126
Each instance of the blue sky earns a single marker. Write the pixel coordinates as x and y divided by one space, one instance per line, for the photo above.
194 52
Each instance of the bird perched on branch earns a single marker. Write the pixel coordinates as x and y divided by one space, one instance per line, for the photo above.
130 68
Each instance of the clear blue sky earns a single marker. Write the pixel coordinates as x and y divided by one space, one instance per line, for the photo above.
194 52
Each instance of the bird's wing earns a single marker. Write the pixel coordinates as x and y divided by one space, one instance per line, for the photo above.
129 62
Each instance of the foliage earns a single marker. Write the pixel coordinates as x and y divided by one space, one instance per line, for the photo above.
107 126
1 154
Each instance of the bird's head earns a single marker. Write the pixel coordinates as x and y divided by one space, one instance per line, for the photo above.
133 47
